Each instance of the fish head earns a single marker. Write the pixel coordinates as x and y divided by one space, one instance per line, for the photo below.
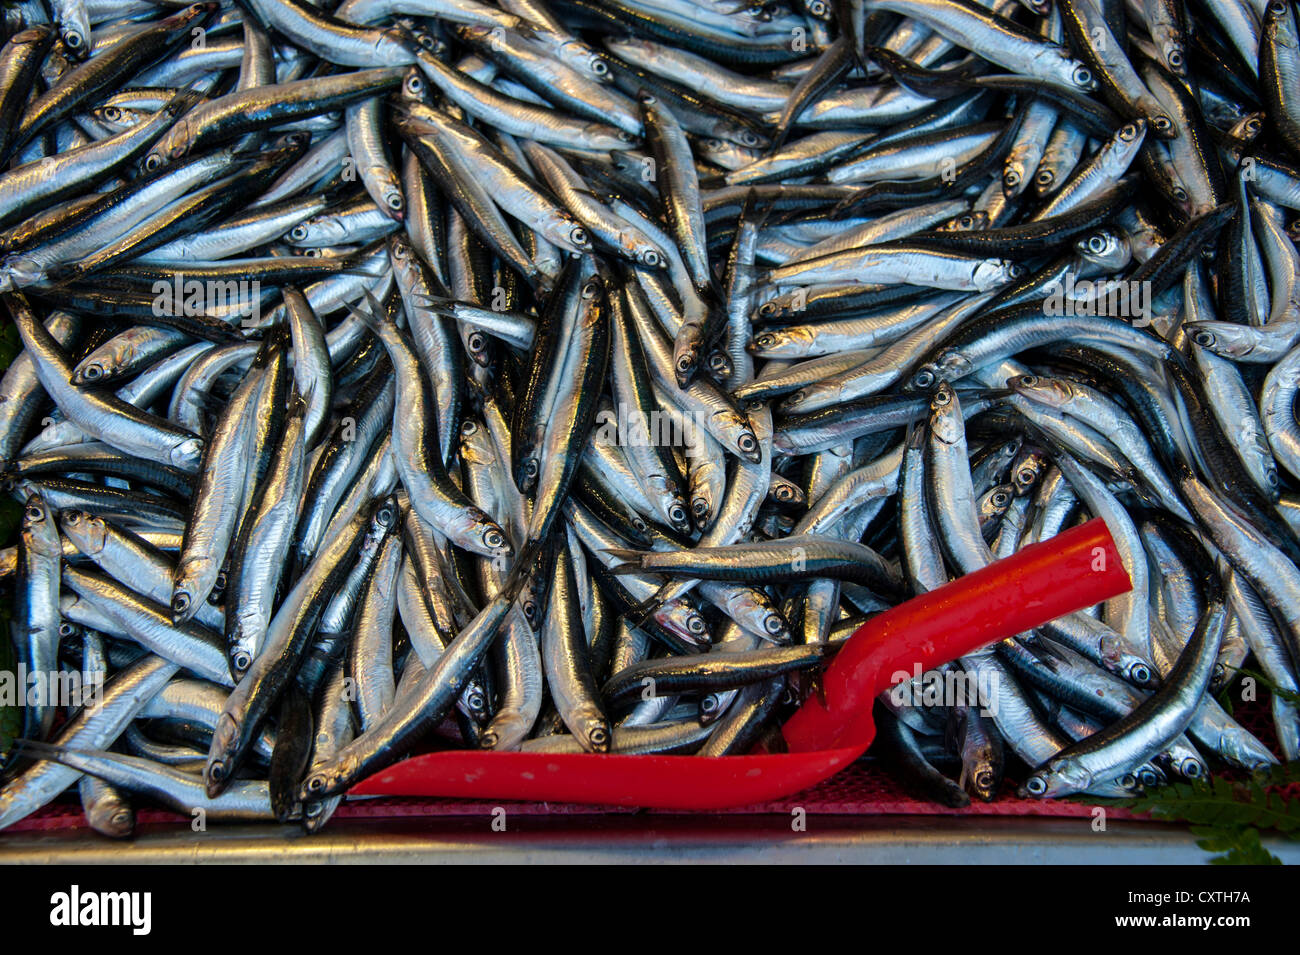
991 273
1047 391
795 341
746 136
1028 469
394 203
87 532
1074 73
220 766
946 422
650 256
1224 338
585 60
594 727
975 221
187 454
1125 143
40 534
414 86
1107 248
473 525
949 366
191 584
1060 777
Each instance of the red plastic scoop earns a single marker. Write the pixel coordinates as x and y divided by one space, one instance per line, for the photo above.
1071 571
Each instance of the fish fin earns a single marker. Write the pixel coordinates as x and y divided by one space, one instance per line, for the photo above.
638 614
521 569
632 560
41 749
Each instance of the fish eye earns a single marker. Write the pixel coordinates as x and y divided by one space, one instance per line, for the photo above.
180 602
468 427
1035 786
92 372
695 623
477 342
650 257
298 233
74 40
591 289
1011 178
394 200
492 538
415 85
923 378
578 236
1204 338
66 629
1001 499
747 442
1029 380
599 66
1180 193
1128 133
1140 673
35 513
624 136
241 661
748 137
530 467
1162 123
700 507
384 516
112 114
1097 244
152 162
767 308
1082 76
677 514
315 784
598 736
1045 177
772 624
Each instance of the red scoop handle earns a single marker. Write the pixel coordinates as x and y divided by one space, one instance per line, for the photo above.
1071 571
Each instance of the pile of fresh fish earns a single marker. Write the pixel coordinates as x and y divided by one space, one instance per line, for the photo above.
573 375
